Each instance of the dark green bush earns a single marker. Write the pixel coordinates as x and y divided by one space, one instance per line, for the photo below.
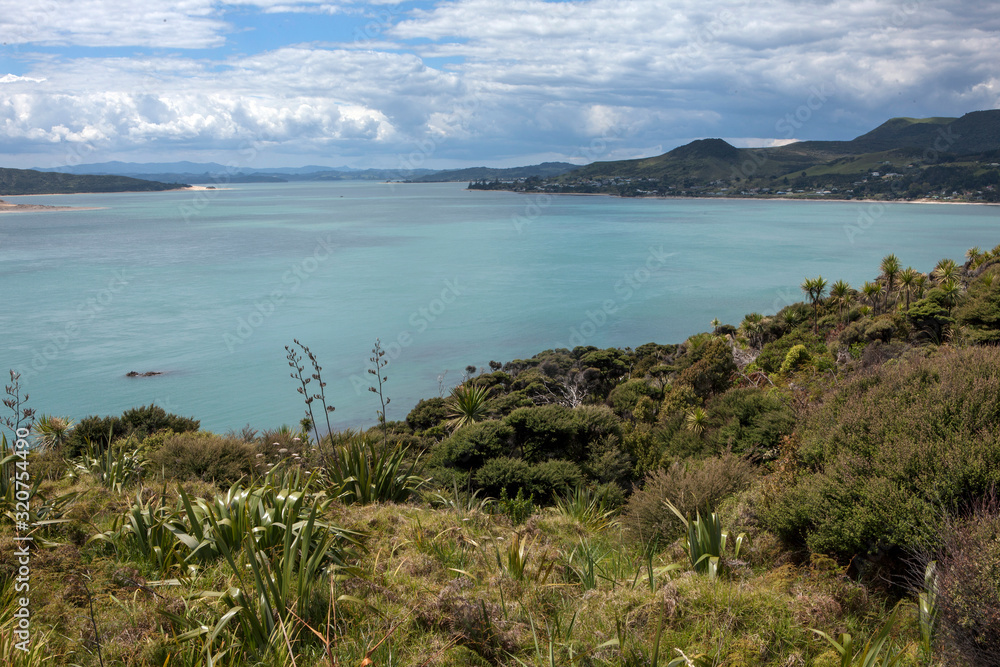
751 422
930 318
891 452
138 422
551 477
503 474
713 369
474 444
152 418
207 457
624 398
428 413
541 480
980 312
609 463
546 432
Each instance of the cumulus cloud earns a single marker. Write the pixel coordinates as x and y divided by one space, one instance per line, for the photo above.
579 80
13 78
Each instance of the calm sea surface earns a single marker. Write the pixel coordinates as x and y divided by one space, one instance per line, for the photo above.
209 287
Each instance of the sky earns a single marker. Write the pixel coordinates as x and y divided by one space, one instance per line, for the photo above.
457 83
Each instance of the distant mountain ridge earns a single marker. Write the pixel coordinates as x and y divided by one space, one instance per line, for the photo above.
543 170
215 173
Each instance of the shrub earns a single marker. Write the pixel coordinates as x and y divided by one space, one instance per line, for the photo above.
797 357
624 398
473 445
152 418
691 487
980 313
930 318
139 422
968 586
891 448
609 463
551 477
545 432
712 372
751 422
773 355
202 456
428 413
503 474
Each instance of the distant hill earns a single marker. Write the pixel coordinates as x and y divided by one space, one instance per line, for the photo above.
32 182
215 173
140 168
904 158
543 170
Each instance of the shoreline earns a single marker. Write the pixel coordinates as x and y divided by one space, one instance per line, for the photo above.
12 207
787 199
8 207
189 188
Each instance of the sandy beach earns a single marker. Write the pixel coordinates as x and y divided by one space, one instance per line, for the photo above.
7 207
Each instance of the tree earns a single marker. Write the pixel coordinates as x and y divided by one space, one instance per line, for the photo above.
753 328
945 270
840 291
975 256
907 279
815 288
467 405
890 269
952 290
872 292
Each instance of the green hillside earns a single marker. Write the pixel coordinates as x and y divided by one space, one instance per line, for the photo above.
30 182
904 158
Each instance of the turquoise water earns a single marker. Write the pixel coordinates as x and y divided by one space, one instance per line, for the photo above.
208 287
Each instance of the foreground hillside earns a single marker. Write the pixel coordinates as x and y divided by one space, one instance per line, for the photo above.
813 487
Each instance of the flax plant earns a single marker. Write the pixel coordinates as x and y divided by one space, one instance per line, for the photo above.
706 541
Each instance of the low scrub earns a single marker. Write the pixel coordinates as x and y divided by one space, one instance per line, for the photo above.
891 453
203 456
691 487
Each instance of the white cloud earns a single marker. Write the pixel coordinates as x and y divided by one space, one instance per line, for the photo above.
13 78
477 79
101 23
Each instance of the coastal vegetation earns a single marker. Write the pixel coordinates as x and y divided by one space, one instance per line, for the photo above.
814 486
948 159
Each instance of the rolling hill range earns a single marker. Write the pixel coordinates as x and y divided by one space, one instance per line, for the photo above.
31 182
904 158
